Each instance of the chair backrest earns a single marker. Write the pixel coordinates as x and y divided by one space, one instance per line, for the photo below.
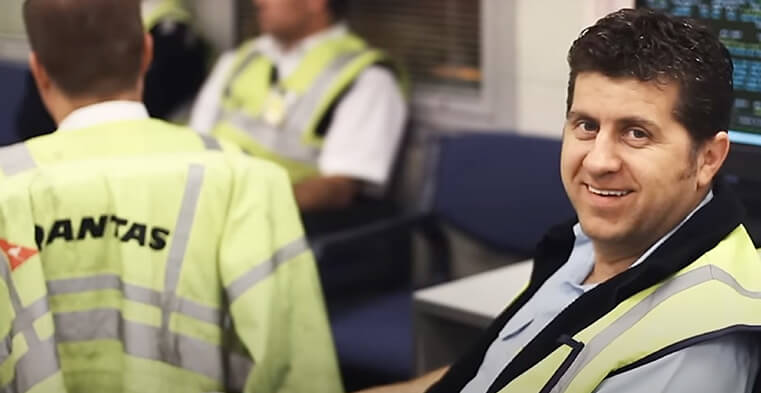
502 189
12 76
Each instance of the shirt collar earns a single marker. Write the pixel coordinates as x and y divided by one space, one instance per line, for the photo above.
582 239
103 112
271 48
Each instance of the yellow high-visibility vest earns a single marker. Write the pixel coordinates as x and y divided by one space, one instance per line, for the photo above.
279 121
724 280
112 139
176 272
155 11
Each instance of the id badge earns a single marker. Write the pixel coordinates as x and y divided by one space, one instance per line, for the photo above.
274 108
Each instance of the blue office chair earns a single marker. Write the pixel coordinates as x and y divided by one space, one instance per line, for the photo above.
502 190
12 87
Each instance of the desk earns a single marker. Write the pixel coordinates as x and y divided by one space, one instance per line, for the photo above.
449 317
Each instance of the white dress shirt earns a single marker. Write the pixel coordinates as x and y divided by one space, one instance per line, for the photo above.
103 112
368 124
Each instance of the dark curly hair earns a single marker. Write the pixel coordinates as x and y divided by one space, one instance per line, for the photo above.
652 46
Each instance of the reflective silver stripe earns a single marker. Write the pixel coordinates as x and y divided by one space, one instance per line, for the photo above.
37 364
272 138
183 227
41 359
5 276
101 282
5 348
301 114
198 311
24 323
250 57
141 294
238 370
210 143
134 293
182 230
15 159
673 287
83 284
144 341
264 269
286 140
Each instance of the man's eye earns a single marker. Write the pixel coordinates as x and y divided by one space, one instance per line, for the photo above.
637 133
588 126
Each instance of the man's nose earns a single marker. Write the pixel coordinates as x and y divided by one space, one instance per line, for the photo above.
603 157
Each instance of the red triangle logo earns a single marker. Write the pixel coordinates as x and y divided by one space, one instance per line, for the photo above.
16 254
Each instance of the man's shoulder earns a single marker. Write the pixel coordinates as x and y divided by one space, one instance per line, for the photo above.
723 364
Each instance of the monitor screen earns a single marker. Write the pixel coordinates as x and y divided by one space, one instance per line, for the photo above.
738 24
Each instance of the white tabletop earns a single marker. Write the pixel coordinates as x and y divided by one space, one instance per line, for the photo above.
478 299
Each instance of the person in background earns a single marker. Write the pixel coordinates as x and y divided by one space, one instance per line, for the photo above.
311 96
656 287
173 79
139 256
96 104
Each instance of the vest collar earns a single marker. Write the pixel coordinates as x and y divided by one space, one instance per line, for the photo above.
287 60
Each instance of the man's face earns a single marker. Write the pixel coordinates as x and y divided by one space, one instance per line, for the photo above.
627 165
281 18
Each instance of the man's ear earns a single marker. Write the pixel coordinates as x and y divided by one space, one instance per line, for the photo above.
711 156
40 75
147 53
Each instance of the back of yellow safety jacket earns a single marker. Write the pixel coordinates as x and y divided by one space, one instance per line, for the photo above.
180 272
112 139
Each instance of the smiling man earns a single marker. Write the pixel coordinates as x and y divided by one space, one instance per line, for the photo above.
656 287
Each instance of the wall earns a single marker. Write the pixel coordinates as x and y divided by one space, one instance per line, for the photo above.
524 66
542 43
526 43
216 19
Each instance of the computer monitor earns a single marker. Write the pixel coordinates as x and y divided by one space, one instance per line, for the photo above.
738 25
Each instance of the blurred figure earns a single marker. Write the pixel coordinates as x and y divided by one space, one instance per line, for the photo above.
131 259
174 77
179 57
311 96
89 67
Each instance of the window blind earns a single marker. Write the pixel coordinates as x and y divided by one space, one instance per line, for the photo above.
437 41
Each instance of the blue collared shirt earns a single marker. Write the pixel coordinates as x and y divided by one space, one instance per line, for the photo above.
725 365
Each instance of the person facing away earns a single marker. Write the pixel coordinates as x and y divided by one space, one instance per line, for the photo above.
166 273
656 287
312 97
89 61
132 259
176 72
